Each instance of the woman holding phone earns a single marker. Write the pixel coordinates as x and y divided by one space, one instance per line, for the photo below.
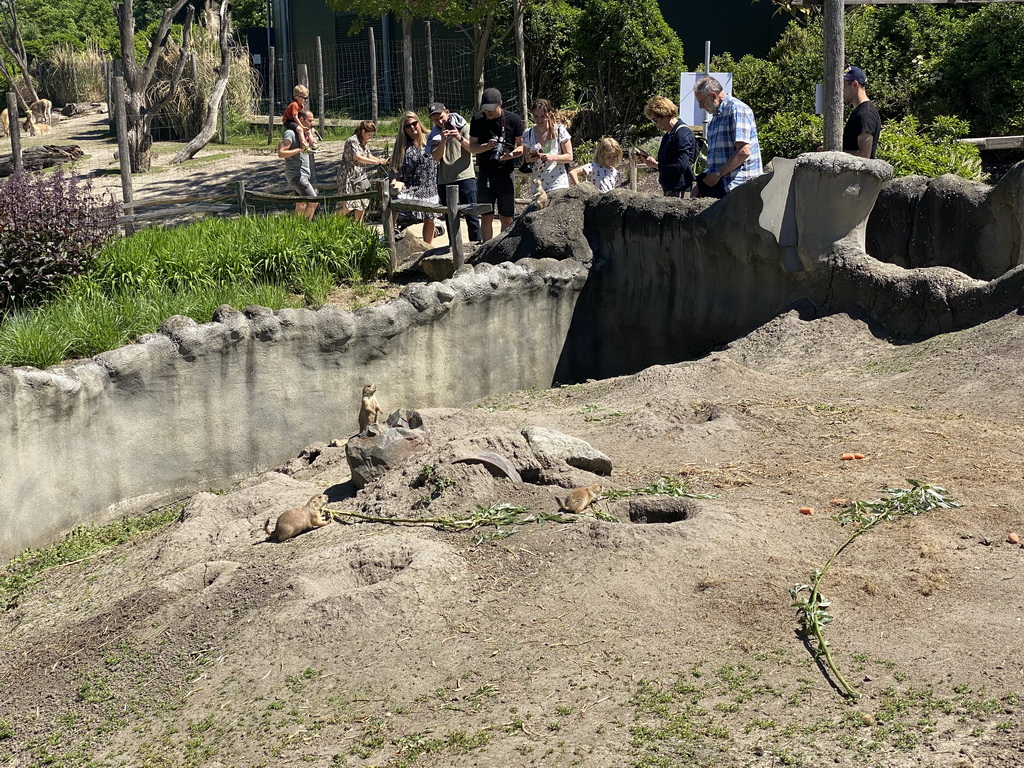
678 149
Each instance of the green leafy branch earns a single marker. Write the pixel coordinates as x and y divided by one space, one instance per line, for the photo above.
665 486
813 610
496 515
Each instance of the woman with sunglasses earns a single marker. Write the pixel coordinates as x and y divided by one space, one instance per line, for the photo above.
678 150
352 177
413 173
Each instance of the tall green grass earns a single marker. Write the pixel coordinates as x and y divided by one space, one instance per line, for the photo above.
139 281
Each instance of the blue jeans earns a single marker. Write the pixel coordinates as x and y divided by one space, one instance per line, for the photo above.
467 196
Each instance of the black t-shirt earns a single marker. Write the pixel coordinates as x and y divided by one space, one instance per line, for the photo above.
863 119
508 127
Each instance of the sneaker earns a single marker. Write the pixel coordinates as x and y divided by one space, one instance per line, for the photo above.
438 230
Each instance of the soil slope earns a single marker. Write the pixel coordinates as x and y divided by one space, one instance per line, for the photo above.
588 642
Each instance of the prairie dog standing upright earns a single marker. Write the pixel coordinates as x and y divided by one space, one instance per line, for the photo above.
369 408
540 197
579 499
298 520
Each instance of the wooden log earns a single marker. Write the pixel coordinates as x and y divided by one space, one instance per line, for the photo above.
36 158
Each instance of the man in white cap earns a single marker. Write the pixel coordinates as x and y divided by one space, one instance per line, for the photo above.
860 136
496 138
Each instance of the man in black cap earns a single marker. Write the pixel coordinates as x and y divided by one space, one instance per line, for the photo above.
448 144
860 136
496 138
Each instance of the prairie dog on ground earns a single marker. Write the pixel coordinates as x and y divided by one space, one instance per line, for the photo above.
369 408
298 520
579 499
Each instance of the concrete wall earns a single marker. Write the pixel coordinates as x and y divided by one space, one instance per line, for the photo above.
196 406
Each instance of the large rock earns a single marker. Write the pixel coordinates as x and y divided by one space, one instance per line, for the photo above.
554 449
380 448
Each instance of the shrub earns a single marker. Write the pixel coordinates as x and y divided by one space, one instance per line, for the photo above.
929 151
788 134
51 227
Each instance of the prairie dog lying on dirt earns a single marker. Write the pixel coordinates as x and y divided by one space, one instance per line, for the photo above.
369 408
298 520
579 499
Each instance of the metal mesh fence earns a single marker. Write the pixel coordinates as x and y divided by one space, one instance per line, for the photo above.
347 77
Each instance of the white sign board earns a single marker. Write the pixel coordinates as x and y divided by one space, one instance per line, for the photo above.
689 111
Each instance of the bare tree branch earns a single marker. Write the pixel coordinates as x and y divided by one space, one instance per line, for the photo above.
213 105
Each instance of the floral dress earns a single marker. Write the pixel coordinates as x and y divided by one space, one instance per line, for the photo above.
419 174
352 176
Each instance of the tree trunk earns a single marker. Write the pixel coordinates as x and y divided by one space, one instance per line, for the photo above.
140 140
481 40
517 29
410 96
835 45
213 104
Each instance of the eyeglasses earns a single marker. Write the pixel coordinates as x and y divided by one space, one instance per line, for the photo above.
413 124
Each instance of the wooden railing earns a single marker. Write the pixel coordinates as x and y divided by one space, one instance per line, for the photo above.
240 203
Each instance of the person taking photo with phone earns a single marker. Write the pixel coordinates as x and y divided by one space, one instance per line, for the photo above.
678 150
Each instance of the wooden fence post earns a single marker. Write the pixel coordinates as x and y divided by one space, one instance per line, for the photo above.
632 171
320 81
452 200
270 97
373 76
389 225
430 63
15 129
241 198
123 158
303 75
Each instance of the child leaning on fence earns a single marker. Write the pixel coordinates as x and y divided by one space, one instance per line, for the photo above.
603 173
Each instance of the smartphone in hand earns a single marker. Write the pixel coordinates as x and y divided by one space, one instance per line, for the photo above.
640 153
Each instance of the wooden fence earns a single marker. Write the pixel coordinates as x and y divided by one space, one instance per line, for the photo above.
163 208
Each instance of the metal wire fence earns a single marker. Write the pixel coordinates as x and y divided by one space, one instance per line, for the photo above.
348 77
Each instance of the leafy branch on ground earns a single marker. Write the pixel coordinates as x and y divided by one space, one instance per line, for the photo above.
80 544
665 486
813 611
496 515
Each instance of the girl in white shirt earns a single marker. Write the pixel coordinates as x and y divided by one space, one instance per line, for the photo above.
603 173
548 148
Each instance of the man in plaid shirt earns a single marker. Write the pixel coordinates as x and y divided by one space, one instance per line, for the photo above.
734 155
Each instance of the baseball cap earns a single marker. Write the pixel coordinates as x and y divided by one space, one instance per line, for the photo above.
436 107
491 100
856 74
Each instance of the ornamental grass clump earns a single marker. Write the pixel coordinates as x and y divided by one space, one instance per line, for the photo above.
51 228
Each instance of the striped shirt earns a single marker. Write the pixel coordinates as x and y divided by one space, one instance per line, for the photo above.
733 122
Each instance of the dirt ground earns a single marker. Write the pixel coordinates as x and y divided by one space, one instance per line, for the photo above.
589 642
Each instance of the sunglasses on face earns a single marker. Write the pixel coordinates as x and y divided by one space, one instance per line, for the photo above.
412 124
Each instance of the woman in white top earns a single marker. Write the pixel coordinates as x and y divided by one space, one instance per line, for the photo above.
548 148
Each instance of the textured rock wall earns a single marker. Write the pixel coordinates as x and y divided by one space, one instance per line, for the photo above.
195 406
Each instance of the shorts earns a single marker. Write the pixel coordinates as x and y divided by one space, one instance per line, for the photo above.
498 190
302 186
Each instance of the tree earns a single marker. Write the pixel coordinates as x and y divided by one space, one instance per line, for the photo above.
631 54
13 44
221 25
141 99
